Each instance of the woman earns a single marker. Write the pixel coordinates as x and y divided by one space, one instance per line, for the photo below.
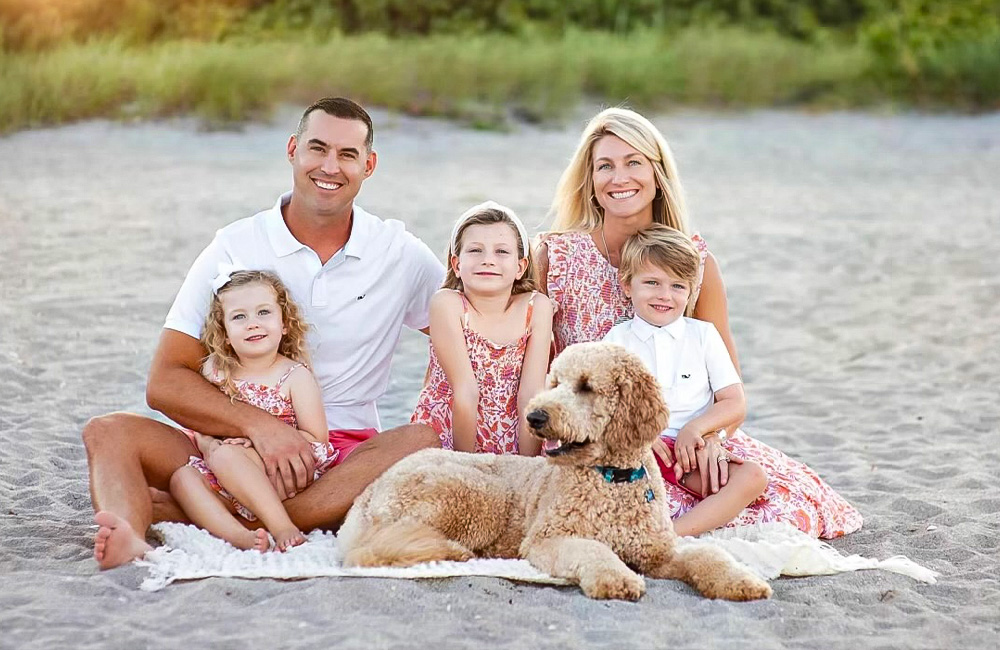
621 179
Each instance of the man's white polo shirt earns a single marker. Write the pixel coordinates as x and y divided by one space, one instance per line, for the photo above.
688 359
356 303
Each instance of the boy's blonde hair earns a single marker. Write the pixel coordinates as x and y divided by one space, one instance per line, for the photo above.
665 248
575 205
488 216
222 359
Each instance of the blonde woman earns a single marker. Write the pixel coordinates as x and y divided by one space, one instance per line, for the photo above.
622 180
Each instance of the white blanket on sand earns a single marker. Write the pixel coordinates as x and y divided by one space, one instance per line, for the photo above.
771 550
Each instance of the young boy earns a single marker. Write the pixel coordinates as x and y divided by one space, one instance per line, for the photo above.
659 266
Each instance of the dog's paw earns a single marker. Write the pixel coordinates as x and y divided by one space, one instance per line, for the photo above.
750 587
614 586
742 587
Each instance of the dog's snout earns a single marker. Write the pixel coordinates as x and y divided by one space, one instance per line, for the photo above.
538 418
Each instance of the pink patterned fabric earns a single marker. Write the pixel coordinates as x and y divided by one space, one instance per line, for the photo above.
589 302
497 369
584 286
270 399
794 494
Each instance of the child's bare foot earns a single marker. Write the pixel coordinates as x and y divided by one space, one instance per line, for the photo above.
165 508
116 541
258 541
286 539
251 540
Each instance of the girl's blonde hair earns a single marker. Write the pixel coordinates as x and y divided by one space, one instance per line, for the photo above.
485 217
222 358
665 248
575 204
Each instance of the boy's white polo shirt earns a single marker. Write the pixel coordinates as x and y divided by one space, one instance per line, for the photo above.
688 359
355 304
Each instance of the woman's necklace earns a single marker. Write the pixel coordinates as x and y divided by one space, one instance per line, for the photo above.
607 251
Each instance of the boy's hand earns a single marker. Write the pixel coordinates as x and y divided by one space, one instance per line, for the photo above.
686 449
661 449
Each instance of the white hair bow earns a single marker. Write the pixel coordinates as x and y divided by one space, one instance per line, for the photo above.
491 205
224 276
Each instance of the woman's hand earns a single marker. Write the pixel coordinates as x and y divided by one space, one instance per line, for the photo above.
245 442
714 473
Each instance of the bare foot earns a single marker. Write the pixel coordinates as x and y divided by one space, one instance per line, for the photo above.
165 508
286 539
116 541
253 540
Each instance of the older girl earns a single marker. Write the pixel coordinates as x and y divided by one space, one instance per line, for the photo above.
490 334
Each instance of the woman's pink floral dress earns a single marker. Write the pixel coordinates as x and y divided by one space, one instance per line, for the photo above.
588 299
270 399
497 369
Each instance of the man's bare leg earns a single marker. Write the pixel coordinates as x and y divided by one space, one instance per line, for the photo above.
127 454
326 502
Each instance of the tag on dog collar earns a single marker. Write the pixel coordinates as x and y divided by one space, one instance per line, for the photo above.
650 495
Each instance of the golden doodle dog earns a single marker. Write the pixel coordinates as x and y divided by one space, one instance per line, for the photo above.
589 511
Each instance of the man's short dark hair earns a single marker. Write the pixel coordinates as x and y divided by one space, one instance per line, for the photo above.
339 107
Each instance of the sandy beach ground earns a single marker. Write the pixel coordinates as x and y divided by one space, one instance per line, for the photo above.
860 254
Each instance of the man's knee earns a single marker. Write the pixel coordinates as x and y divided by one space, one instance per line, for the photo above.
105 430
421 436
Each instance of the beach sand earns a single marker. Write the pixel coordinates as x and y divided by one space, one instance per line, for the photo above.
860 254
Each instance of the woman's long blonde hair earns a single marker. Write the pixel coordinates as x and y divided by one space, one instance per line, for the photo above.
575 206
222 359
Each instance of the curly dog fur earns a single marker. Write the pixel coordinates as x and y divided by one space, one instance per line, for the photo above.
603 409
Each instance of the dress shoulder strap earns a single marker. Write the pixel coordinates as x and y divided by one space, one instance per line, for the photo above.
284 377
465 309
531 308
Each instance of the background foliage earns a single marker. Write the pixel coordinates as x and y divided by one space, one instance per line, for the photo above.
491 57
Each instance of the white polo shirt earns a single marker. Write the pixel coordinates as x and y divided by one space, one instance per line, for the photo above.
355 304
688 359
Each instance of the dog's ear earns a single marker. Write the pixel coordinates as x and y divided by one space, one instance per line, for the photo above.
641 410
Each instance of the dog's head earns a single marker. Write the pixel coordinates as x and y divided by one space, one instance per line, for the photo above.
601 407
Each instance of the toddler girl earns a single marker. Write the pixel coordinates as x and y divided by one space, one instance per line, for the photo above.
490 335
256 341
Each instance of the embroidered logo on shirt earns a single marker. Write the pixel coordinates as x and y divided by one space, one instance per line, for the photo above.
362 296
685 376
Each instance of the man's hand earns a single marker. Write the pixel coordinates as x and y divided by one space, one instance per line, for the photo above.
287 457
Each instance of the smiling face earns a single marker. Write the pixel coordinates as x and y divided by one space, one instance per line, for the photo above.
658 295
624 181
252 320
330 161
488 260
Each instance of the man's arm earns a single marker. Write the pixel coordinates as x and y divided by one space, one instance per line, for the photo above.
177 389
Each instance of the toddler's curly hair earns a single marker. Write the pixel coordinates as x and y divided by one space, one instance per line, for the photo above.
222 359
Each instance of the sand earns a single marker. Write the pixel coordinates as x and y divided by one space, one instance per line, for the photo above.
860 254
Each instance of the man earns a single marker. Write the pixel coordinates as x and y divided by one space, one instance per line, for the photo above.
358 280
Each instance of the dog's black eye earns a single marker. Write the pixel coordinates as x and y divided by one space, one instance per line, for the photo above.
583 386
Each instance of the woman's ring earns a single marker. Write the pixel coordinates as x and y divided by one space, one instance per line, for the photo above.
723 458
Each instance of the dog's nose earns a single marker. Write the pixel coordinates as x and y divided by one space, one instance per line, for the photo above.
537 418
